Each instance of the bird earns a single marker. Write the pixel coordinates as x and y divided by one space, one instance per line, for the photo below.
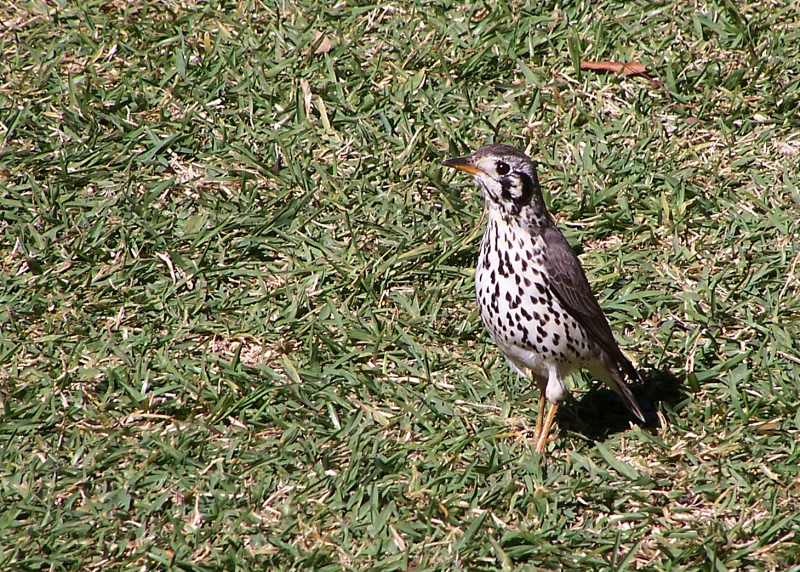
532 292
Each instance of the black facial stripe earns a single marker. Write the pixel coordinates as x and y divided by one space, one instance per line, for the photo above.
505 183
526 192
528 188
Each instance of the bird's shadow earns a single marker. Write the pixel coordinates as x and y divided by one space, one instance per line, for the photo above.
600 412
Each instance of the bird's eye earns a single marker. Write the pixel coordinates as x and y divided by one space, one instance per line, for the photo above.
502 168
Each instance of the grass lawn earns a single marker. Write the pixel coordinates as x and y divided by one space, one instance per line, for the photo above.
237 319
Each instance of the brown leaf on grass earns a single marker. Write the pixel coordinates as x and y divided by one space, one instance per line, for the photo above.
630 68
323 44
627 69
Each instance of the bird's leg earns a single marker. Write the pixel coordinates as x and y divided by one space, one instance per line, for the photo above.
548 424
541 383
540 417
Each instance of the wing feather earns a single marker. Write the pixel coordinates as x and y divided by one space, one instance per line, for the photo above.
569 284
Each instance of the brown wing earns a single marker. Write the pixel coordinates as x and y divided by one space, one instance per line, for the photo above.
569 283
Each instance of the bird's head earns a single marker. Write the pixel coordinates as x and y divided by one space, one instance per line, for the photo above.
507 179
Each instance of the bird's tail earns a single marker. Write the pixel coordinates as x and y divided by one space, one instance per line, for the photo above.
615 377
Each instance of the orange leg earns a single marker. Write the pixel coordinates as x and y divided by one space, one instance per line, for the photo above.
539 418
548 424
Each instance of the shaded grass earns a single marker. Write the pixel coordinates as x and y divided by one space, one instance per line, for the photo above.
238 326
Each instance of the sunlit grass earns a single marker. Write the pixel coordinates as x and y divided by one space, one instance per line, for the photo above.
237 326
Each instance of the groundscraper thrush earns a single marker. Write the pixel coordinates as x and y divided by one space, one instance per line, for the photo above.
532 292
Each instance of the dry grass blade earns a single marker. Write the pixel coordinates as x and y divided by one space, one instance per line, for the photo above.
629 68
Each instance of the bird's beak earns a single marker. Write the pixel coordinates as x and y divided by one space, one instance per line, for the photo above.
463 164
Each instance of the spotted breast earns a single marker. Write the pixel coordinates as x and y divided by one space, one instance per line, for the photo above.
520 311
